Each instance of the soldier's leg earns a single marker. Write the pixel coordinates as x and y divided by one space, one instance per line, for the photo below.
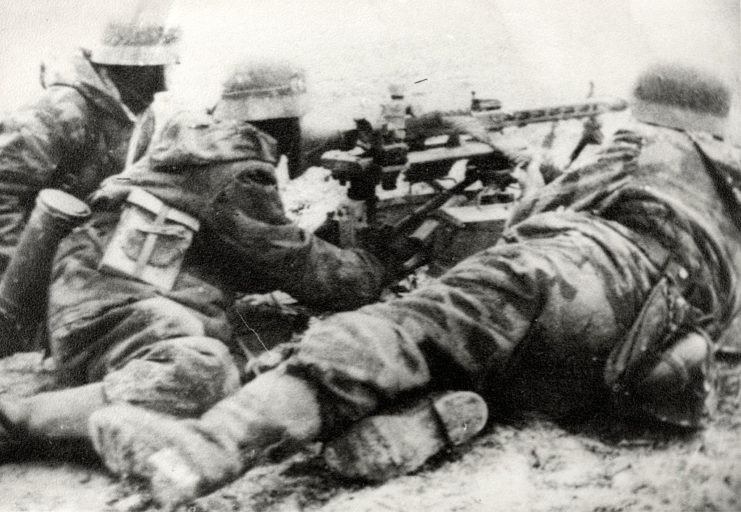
460 333
183 375
187 458
529 328
557 303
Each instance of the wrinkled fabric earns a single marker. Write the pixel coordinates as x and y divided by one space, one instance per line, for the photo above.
200 141
285 257
72 138
178 376
530 322
245 245
654 182
96 320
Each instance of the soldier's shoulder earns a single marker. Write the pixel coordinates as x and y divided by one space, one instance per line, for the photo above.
62 103
57 108
59 94
629 143
718 149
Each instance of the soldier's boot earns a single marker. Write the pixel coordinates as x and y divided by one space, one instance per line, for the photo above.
183 459
62 414
679 389
388 445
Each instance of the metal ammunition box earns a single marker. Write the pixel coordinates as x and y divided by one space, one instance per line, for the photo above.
466 230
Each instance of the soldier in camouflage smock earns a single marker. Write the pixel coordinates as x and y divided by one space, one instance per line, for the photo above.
640 250
78 132
117 334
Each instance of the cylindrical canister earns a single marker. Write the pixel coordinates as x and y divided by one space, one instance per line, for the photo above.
24 285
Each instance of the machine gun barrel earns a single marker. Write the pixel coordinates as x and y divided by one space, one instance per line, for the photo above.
495 120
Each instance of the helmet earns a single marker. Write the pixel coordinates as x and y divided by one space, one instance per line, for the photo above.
137 44
262 90
679 96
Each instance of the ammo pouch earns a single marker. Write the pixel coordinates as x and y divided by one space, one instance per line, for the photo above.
664 319
150 241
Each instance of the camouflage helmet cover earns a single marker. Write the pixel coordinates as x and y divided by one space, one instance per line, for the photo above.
260 90
137 44
680 96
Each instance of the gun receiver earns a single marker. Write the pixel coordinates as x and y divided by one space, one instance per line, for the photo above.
373 162
383 164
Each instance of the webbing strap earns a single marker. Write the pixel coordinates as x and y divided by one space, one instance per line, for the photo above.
150 241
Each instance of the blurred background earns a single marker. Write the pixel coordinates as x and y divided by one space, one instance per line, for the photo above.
524 52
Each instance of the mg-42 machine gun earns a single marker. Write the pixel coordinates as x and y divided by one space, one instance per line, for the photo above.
494 119
446 223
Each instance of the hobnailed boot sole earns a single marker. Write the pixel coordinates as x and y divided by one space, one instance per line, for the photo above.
385 446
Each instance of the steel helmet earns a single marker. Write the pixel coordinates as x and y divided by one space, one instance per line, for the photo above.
137 44
261 90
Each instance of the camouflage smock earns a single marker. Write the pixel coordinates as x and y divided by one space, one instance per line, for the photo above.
222 173
72 138
531 321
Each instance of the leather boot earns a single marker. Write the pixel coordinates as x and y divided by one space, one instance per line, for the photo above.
399 442
183 459
62 414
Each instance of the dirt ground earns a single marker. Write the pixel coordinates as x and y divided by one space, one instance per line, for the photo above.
527 465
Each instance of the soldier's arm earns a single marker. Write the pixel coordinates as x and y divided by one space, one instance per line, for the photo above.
291 259
313 271
35 139
33 142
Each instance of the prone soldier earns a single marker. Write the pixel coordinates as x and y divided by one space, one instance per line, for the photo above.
610 285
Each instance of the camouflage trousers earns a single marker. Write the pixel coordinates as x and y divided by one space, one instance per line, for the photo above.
528 323
162 351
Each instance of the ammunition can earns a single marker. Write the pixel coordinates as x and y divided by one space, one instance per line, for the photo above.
467 230
23 287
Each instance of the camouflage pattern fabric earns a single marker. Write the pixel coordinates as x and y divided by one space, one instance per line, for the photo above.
72 138
530 322
181 376
221 173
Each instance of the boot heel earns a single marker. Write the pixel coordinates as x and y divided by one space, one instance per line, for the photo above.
388 445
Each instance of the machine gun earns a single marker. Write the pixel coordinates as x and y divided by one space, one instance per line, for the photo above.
438 226
406 226
492 118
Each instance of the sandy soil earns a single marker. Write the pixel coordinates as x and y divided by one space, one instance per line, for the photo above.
528 465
